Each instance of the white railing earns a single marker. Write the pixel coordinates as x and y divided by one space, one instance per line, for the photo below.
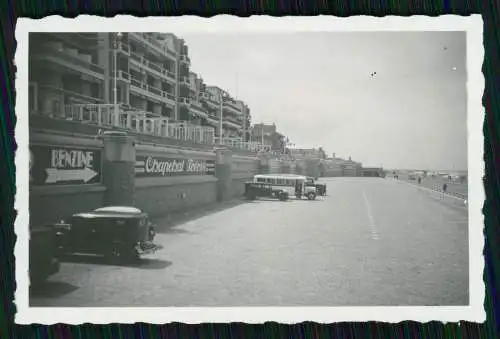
125 48
231 124
156 68
151 91
153 44
239 143
122 75
96 114
138 121
142 122
184 58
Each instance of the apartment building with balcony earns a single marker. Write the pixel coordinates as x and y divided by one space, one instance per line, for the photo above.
235 114
307 153
144 74
65 69
143 70
268 134
352 168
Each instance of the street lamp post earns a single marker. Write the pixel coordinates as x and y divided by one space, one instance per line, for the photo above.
220 117
115 77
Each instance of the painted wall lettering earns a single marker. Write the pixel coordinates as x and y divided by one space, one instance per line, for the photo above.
149 166
64 166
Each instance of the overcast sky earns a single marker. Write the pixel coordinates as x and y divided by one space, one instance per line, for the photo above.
319 90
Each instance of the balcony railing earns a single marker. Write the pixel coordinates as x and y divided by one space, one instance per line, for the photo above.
239 143
185 81
123 76
198 109
72 61
109 115
100 115
152 43
232 106
152 67
231 124
233 120
184 58
185 101
123 47
213 120
151 91
205 96
141 122
43 88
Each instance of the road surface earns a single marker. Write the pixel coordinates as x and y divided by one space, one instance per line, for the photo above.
371 242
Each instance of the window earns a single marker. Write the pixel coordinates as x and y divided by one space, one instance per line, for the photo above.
261 180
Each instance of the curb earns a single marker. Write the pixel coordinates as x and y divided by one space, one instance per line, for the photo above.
457 198
437 188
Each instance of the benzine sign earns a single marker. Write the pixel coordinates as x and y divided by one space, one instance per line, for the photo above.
64 166
149 166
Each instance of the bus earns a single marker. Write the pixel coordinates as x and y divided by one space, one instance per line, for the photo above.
293 184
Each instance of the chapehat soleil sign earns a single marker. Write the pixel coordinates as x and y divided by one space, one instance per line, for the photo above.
149 166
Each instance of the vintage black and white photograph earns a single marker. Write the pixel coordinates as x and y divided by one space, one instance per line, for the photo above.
172 167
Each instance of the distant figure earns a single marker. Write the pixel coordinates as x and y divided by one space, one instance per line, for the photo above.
445 187
419 180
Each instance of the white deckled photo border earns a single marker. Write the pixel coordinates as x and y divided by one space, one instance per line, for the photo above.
473 25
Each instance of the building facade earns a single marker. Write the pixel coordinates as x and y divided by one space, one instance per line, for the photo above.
268 134
232 116
146 73
309 153
352 168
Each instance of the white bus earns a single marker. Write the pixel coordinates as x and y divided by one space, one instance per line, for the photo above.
293 184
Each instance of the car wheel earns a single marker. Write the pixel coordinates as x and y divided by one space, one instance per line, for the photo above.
311 196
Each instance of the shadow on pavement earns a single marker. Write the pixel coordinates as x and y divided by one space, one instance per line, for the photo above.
168 223
51 289
143 263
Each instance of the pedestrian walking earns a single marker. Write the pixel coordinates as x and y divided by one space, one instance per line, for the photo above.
445 187
419 180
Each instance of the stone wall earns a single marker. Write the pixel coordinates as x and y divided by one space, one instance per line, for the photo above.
48 203
206 176
243 169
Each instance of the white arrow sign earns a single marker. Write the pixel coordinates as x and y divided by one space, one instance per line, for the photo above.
54 175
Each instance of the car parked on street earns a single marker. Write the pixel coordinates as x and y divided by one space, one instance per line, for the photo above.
117 232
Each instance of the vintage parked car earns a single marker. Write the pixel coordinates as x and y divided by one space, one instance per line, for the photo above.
255 190
118 232
42 255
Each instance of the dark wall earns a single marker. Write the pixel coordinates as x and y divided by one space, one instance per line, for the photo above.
50 204
165 195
